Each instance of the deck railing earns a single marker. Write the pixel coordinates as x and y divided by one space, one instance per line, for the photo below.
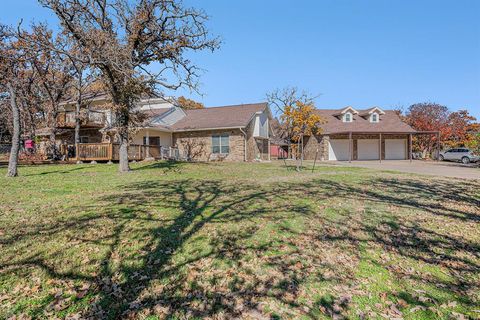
111 152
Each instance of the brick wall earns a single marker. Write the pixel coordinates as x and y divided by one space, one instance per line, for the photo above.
199 144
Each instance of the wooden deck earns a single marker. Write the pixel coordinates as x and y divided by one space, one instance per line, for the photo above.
110 152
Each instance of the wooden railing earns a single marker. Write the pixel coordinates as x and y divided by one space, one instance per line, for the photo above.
94 151
111 152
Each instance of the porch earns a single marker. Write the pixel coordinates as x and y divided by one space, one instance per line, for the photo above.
111 151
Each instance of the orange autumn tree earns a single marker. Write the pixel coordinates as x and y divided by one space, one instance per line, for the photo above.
302 120
457 129
462 129
428 117
189 104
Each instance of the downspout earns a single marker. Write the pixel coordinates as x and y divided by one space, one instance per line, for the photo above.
244 144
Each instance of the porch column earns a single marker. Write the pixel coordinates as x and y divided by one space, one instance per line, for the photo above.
350 147
380 148
147 142
410 149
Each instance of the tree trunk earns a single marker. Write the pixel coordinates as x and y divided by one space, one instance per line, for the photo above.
301 154
123 153
13 161
77 120
298 155
53 133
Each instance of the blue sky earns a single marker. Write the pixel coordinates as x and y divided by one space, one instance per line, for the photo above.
359 53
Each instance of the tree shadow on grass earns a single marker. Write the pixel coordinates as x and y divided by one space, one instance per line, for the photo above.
202 248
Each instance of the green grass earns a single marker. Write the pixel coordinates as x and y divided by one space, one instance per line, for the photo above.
248 240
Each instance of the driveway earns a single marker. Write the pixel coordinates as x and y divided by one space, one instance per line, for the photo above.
444 169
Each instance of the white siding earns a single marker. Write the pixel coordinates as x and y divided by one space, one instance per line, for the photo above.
165 137
261 125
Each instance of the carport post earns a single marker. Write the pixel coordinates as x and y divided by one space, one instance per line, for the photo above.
438 146
410 147
380 148
350 147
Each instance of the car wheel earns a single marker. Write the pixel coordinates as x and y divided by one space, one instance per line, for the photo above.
442 158
465 160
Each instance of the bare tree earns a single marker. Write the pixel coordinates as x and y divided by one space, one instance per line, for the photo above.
12 71
55 73
297 117
83 87
138 46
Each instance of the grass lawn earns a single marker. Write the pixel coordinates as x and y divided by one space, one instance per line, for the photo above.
243 240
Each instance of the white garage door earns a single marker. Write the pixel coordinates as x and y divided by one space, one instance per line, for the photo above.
395 149
368 149
338 150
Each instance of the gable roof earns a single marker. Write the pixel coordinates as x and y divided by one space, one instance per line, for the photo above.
389 122
372 110
236 116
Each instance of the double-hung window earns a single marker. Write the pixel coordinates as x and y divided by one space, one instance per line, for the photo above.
347 117
221 143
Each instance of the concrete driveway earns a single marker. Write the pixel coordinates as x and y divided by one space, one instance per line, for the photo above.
442 168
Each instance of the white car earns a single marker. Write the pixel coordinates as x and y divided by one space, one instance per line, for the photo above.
459 154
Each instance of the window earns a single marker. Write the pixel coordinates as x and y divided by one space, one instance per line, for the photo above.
347 117
153 141
84 139
221 143
374 117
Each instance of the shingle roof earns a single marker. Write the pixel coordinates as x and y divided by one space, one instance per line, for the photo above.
389 122
219 117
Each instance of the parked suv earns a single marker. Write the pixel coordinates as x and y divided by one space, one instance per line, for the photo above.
459 154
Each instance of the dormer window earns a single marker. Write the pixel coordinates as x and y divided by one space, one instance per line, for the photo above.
347 117
374 117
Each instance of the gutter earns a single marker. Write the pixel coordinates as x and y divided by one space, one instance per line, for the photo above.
205 129
244 144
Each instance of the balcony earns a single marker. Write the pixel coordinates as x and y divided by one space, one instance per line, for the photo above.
88 119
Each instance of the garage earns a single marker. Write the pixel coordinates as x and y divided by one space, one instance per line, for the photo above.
368 149
338 149
395 149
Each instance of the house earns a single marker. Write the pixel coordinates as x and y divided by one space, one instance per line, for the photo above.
354 134
230 133
95 117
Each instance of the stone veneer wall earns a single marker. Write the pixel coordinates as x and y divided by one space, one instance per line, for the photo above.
313 143
201 144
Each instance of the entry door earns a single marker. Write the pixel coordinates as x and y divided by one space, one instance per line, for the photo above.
367 149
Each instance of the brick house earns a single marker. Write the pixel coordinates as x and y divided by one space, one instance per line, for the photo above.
230 133
351 134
